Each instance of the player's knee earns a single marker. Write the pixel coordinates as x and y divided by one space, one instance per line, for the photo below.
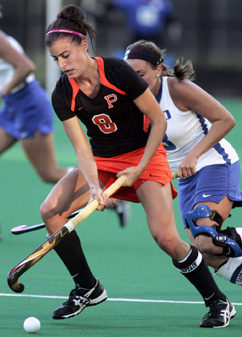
47 177
168 243
46 211
43 211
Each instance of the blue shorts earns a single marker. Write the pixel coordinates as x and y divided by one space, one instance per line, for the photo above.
211 183
27 111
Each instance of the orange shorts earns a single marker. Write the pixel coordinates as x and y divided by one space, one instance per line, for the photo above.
157 170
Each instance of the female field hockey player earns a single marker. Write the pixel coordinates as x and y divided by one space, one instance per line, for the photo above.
27 116
206 163
117 108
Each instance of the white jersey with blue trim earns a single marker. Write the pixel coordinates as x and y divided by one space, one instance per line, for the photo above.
7 70
184 130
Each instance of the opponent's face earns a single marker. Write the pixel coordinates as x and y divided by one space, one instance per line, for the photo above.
70 56
150 75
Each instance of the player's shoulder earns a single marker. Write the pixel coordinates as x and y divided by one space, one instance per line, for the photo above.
116 67
112 61
177 86
62 81
63 85
63 90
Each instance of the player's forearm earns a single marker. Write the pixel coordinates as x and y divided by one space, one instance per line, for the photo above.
155 138
88 168
19 77
217 132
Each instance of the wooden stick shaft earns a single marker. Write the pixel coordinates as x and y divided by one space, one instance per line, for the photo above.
174 175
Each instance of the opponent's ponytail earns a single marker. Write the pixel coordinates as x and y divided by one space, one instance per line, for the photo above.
180 71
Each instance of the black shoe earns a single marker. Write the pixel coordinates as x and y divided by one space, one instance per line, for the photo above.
123 211
79 299
219 314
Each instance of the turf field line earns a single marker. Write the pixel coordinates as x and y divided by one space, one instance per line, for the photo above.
109 299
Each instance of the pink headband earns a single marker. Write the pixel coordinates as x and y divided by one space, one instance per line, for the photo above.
66 31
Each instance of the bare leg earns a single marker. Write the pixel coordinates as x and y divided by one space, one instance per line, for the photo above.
41 153
161 220
71 192
6 141
68 195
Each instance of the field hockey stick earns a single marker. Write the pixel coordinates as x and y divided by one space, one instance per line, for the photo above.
25 229
56 238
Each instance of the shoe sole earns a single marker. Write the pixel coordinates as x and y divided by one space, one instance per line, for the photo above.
95 301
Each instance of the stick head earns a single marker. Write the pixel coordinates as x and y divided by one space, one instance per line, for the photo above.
14 283
19 229
25 229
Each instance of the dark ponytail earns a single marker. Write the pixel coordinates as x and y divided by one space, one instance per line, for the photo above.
180 71
70 18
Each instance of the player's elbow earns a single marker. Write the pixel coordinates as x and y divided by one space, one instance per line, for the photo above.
28 67
233 122
230 122
31 67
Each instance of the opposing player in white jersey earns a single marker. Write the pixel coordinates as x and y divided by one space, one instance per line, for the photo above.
207 165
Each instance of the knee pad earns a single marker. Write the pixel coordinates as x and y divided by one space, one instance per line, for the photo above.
230 246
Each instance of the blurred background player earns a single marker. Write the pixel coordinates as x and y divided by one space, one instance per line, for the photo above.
147 19
207 164
26 115
154 20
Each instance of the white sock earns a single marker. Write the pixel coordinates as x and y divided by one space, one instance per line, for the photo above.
232 270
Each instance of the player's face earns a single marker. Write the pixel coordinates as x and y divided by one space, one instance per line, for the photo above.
145 70
70 56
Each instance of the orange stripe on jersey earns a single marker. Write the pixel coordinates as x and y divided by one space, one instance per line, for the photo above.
75 89
146 123
103 78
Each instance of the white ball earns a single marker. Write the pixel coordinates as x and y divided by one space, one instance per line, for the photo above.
31 324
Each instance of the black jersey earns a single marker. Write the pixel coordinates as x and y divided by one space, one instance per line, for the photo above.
114 124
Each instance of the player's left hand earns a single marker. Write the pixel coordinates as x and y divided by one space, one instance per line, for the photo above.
132 174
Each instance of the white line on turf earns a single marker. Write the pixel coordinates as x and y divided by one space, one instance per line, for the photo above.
109 299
